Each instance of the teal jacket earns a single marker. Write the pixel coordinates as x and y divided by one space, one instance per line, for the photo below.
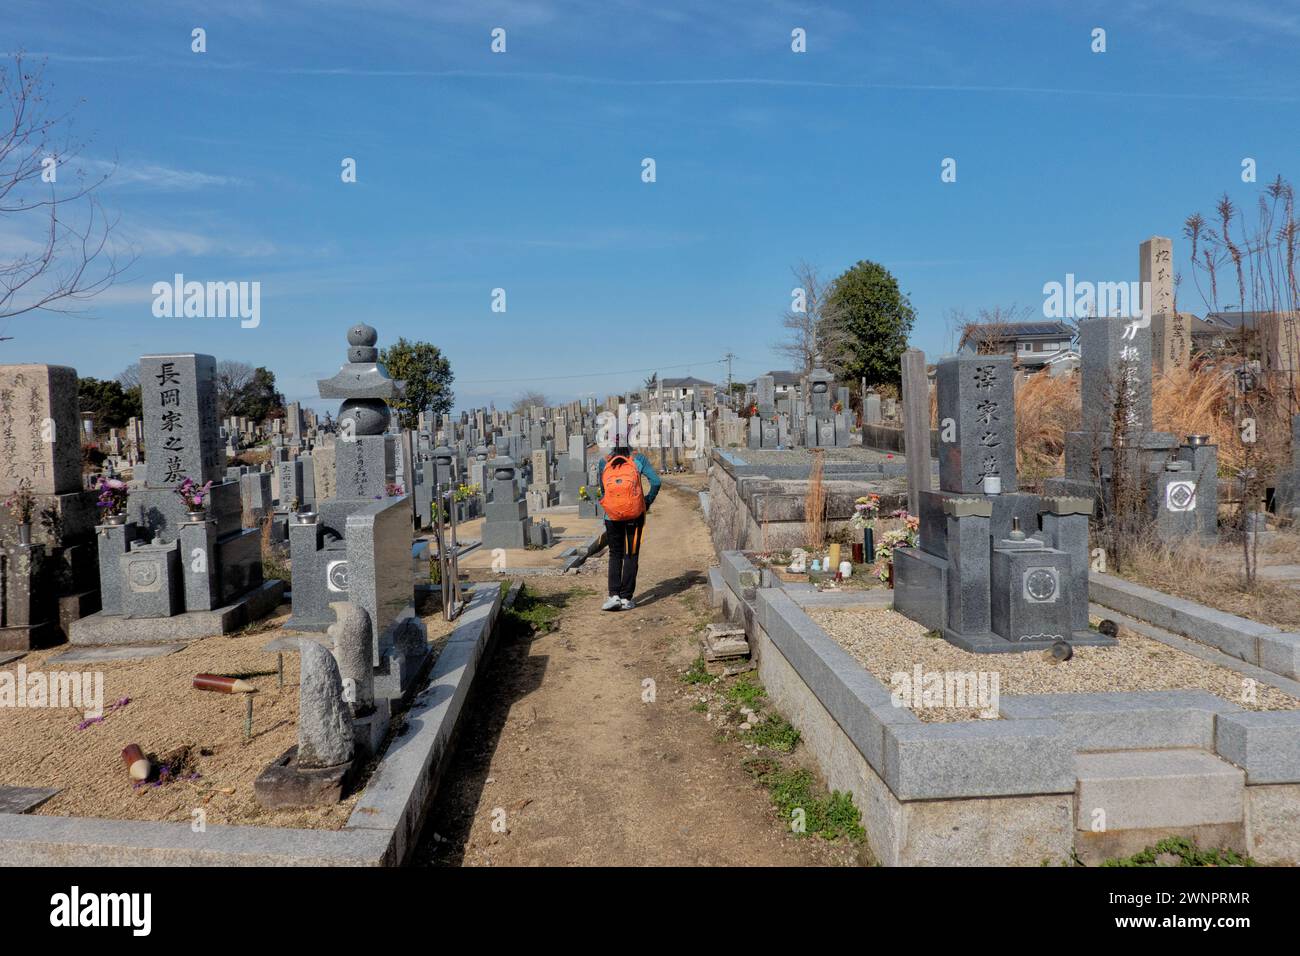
644 467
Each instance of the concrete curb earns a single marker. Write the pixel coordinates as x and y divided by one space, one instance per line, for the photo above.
588 550
383 826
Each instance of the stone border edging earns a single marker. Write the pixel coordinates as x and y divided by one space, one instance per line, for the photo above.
380 832
1267 647
1033 749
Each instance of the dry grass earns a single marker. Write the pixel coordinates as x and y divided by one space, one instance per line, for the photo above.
1184 402
1213 576
1046 408
1197 403
814 506
275 557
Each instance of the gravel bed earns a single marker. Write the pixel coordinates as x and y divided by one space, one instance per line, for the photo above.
887 643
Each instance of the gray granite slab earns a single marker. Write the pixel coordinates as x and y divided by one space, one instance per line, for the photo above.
108 653
23 799
1266 744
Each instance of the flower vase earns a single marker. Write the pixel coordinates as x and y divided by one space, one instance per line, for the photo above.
858 551
889 569
869 541
115 520
25 533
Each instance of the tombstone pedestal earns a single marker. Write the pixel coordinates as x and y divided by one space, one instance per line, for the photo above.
24 621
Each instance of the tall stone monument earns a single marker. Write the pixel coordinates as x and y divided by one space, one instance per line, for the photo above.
1170 331
49 570
997 570
1178 481
168 573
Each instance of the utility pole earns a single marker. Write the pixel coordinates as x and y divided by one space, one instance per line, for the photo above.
729 356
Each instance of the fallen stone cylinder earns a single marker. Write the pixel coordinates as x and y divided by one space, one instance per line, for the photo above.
137 764
223 685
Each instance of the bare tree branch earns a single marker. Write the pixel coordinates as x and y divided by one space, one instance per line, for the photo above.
68 259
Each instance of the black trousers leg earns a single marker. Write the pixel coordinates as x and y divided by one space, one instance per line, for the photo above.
631 556
616 537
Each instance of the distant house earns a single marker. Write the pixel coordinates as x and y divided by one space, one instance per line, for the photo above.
671 389
1271 335
1033 344
786 384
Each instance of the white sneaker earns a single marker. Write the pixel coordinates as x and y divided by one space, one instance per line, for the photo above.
612 603
628 604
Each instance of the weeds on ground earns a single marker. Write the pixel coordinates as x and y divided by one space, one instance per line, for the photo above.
775 733
828 816
745 691
535 613
1188 853
275 562
697 673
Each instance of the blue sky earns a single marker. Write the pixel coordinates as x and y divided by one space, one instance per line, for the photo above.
522 170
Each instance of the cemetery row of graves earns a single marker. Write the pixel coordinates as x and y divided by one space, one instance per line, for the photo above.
973 655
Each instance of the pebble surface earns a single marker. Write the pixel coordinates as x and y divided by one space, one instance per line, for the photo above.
887 643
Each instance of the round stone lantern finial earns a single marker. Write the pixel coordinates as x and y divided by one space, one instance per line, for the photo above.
362 335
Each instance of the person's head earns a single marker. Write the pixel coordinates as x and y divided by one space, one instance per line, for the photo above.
622 451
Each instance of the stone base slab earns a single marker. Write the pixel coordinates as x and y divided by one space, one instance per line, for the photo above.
101 628
285 784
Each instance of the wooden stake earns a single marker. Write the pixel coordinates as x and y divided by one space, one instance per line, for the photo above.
248 719
279 669
223 685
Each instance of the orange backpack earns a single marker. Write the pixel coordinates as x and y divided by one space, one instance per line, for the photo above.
623 499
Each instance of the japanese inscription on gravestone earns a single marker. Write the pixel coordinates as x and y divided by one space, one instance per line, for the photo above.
40 447
181 431
976 424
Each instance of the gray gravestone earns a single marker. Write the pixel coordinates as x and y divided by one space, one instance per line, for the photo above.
977 432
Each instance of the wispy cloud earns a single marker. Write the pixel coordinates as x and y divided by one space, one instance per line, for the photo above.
162 241
57 57
758 81
130 173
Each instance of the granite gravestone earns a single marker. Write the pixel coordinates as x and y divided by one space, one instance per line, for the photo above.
977 438
1170 335
984 575
218 562
1116 403
52 579
506 523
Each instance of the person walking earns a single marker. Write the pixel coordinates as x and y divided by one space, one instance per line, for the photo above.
625 503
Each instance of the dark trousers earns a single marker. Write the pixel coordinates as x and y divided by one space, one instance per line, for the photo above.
624 539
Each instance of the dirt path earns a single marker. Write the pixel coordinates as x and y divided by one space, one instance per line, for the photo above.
559 746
